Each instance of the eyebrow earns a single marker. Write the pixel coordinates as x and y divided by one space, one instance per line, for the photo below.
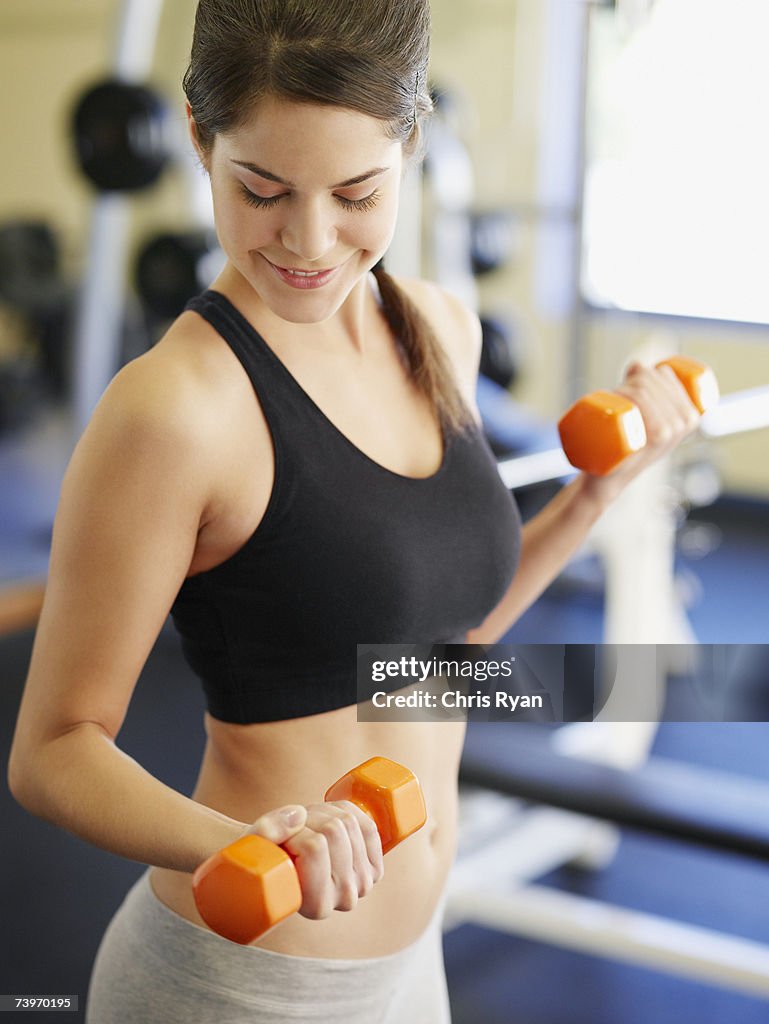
280 181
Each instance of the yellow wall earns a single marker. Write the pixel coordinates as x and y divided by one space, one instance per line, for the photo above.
489 50
50 51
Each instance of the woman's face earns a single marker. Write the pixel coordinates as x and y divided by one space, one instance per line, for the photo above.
305 201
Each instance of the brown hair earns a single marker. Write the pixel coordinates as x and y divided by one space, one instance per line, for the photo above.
366 55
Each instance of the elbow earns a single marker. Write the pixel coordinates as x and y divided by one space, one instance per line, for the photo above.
15 777
20 779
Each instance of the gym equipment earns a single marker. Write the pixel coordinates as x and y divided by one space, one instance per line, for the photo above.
662 797
251 885
636 537
735 413
33 285
498 353
120 136
603 428
101 305
22 393
173 267
505 844
30 271
447 195
492 240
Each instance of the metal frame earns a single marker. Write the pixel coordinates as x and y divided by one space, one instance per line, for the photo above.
505 845
100 311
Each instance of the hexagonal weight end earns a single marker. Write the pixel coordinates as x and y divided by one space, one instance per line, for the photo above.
600 430
698 379
388 793
246 888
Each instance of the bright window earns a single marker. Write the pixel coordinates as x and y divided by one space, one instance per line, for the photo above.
676 203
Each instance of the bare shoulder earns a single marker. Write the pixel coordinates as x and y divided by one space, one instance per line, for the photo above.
171 419
177 397
170 388
456 326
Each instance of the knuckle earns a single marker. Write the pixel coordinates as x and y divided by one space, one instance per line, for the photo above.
347 898
662 434
348 820
315 907
334 828
369 829
315 844
682 425
365 884
344 805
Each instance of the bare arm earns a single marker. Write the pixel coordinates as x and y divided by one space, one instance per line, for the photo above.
142 483
548 541
552 537
133 499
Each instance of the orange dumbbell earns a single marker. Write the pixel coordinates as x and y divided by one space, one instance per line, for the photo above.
251 885
600 430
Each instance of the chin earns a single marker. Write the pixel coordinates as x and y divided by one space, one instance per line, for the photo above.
312 307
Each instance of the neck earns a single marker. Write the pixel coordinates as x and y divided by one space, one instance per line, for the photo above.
348 329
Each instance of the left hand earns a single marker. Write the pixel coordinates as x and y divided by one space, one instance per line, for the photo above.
669 416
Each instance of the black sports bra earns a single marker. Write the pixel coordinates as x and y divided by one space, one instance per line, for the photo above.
347 553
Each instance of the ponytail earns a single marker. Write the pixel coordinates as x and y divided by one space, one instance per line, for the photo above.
429 366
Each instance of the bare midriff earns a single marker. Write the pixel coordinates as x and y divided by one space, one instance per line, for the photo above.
250 769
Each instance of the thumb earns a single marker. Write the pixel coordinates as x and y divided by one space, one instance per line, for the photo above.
280 824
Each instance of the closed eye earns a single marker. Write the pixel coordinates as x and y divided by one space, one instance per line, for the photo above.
261 202
367 203
267 202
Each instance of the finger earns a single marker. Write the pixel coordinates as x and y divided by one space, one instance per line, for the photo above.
674 403
326 864
312 861
665 418
679 395
664 382
365 841
338 831
280 824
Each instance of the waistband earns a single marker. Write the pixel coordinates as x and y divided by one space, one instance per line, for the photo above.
208 960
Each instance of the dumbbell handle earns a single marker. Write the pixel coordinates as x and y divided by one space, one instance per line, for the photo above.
251 885
603 428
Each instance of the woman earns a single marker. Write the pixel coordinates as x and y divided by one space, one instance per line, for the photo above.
294 468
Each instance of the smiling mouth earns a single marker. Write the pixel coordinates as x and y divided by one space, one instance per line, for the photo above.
306 273
304 278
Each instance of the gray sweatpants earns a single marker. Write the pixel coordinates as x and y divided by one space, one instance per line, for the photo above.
155 967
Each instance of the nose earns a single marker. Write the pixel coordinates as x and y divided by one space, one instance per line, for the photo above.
310 230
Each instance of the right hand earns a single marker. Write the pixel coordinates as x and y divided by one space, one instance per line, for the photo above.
336 851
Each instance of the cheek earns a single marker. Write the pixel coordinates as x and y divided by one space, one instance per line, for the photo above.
375 229
238 227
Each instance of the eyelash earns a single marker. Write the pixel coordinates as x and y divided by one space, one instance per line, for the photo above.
262 203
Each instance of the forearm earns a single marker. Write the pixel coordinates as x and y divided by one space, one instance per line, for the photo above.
85 784
549 540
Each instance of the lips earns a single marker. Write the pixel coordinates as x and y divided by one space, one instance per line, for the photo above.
304 279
